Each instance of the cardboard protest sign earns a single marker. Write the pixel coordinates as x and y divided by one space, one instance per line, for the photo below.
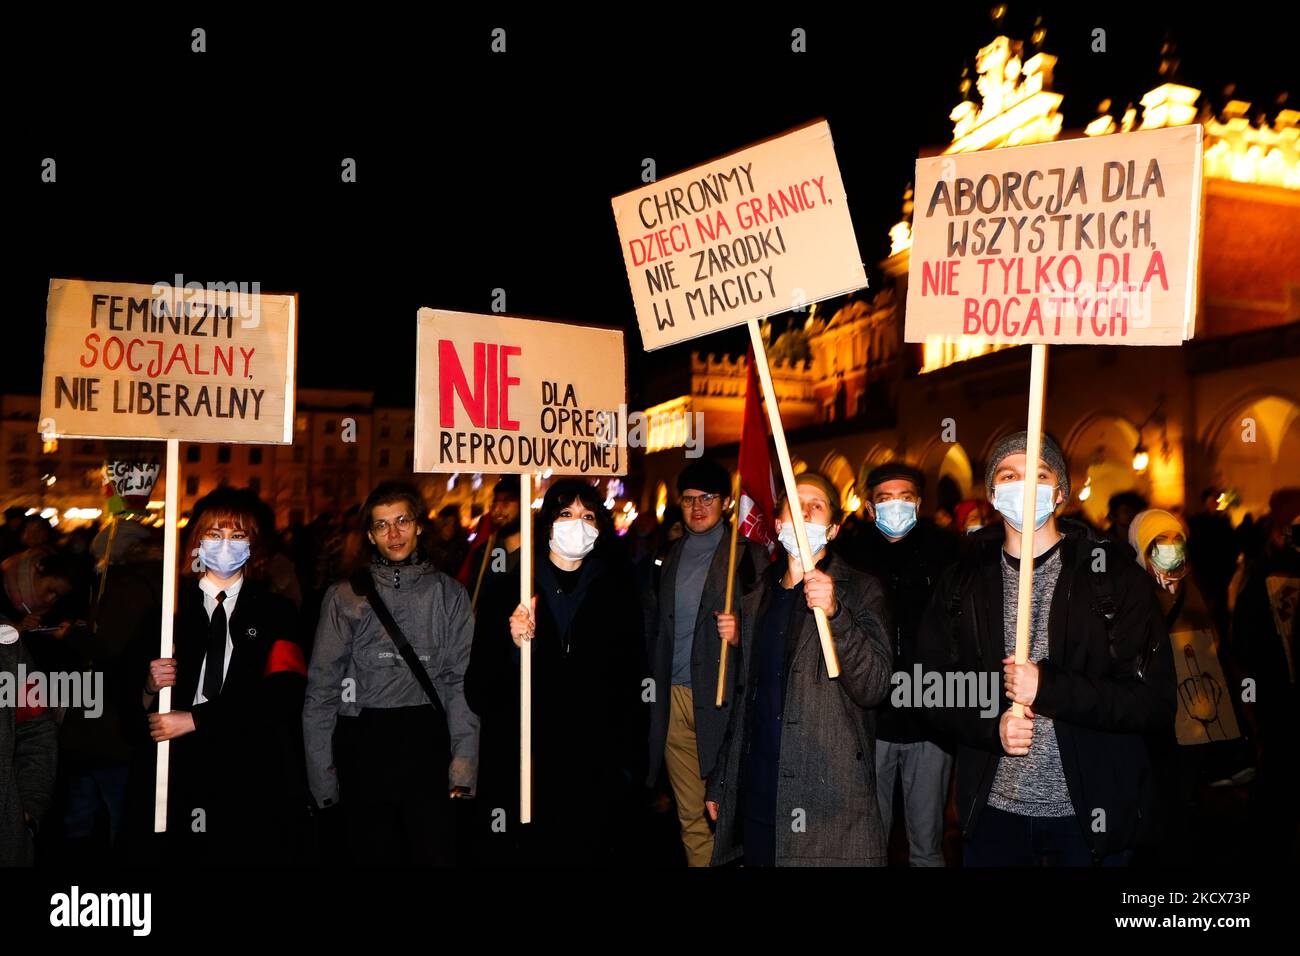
161 362
129 484
756 232
1284 598
1082 241
508 395
1204 700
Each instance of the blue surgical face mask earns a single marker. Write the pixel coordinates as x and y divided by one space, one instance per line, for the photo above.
1009 499
816 538
224 557
896 517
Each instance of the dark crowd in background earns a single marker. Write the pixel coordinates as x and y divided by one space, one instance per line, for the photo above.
87 601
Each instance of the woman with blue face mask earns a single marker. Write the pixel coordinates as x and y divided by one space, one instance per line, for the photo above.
237 679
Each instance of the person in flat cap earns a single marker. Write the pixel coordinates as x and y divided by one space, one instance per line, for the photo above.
686 726
907 554
1069 783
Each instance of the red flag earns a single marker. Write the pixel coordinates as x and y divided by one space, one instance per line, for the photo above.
757 484
474 560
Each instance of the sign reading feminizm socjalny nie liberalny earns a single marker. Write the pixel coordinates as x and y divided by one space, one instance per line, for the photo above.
158 362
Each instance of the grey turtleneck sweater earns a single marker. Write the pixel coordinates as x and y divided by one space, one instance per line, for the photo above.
692 568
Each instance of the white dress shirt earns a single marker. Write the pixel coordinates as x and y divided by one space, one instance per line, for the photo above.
210 592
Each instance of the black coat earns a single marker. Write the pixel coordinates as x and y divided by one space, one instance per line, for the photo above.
908 570
243 764
1087 684
706 650
588 719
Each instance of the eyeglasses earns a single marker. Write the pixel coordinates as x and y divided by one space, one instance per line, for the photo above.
213 534
688 501
404 523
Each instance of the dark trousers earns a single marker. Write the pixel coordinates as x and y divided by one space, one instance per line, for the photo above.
1009 839
392 766
759 842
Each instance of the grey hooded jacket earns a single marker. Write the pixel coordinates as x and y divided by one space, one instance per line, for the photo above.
354 653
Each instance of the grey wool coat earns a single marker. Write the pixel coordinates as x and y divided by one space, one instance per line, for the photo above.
29 749
826 807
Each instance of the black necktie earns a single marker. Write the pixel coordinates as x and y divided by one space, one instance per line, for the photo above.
216 662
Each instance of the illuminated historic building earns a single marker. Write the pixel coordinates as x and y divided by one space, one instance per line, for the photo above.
1222 410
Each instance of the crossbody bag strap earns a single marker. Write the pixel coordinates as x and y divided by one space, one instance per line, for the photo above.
364 586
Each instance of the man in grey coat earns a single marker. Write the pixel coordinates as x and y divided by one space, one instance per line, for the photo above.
29 746
375 742
795 784
686 725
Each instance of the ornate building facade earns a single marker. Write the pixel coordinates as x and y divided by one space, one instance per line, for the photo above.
1222 410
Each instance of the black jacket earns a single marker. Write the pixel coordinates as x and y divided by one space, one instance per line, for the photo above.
1088 683
908 570
243 764
588 721
710 720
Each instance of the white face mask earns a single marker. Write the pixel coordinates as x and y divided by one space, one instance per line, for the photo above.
573 538
816 541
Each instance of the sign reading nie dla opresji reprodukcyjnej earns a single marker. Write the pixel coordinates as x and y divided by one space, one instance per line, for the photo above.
1090 241
161 362
757 232
502 394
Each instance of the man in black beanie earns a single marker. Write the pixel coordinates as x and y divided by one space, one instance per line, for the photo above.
906 554
686 728
1069 784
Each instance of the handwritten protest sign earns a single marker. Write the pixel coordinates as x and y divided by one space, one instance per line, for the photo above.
756 232
1083 241
508 395
161 362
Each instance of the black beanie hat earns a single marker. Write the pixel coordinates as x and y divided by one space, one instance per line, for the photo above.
892 470
706 475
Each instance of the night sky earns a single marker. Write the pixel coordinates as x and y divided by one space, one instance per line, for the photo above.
478 171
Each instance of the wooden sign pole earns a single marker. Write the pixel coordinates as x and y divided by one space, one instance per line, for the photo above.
731 580
1033 452
482 568
166 644
526 651
791 491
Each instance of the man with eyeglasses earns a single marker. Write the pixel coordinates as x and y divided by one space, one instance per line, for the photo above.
686 726
398 754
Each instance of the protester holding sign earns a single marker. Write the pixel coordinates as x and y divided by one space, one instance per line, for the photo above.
237 778
1069 783
686 726
588 714
795 784
388 671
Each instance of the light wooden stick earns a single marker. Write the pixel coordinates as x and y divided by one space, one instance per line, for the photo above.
791 491
731 580
487 556
526 651
166 643
1033 451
